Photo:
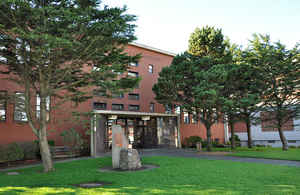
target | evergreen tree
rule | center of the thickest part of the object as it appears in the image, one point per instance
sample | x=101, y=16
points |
x=58, y=48
x=280, y=74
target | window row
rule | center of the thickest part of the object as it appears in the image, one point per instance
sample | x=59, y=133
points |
x=19, y=107
x=131, y=107
x=102, y=93
x=150, y=66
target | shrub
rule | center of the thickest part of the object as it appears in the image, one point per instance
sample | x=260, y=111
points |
x=192, y=140
x=73, y=139
x=11, y=152
x=30, y=150
x=292, y=147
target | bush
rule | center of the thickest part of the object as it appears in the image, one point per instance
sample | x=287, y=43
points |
x=73, y=139
x=30, y=150
x=11, y=152
x=237, y=140
x=292, y=147
x=192, y=141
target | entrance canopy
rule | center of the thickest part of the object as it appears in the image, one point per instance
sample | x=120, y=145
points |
x=144, y=129
x=133, y=114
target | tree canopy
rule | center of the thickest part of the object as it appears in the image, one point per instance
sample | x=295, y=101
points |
x=59, y=48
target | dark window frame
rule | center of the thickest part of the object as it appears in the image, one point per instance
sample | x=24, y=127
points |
x=4, y=105
x=133, y=74
x=99, y=94
x=135, y=95
x=15, y=109
x=100, y=108
x=152, y=107
x=121, y=105
x=134, y=64
x=151, y=68
x=133, y=106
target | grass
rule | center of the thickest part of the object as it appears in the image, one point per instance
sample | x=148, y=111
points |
x=264, y=152
x=174, y=176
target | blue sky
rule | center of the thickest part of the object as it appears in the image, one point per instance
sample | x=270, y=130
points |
x=167, y=24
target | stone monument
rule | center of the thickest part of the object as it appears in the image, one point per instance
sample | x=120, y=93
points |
x=123, y=157
x=130, y=159
x=119, y=141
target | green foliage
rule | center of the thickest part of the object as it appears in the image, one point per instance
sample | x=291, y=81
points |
x=279, y=72
x=72, y=138
x=192, y=141
x=11, y=152
x=190, y=80
x=62, y=46
x=30, y=149
x=208, y=41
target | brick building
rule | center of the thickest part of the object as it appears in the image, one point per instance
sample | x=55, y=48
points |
x=132, y=106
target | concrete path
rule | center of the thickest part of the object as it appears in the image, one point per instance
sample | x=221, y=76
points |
x=187, y=153
x=194, y=154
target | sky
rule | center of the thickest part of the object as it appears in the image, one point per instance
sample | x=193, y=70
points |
x=167, y=24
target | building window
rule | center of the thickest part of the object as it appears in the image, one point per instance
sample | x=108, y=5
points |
x=152, y=107
x=168, y=109
x=38, y=107
x=134, y=96
x=117, y=107
x=3, y=95
x=150, y=68
x=177, y=109
x=133, y=64
x=271, y=141
x=99, y=92
x=194, y=118
x=292, y=141
x=186, y=117
x=99, y=106
x=118, y=95
x=133, y=74
x=134, y=107
x=19, y=109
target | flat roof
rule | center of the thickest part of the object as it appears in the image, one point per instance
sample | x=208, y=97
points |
x=152, y=49
x=129, y=113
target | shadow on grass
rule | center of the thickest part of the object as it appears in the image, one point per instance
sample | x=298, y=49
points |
x=167, y=189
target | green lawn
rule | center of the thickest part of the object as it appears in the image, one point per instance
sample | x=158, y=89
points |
x=265, y=152
x=174, y=176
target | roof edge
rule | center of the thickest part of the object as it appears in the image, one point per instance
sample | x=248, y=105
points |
x=152, y=49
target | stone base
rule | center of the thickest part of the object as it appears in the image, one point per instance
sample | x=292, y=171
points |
x=130, y=159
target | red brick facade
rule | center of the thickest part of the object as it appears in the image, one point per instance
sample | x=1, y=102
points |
x=148, y=68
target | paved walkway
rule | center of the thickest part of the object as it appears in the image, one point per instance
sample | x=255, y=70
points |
x=184, y=153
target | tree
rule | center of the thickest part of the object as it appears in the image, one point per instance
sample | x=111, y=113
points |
x=187, y=81
x=240, y=94
x=279, y=67
x=58, y=49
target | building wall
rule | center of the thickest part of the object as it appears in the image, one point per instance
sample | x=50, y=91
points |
x=61, y=118
x=271, y=138
x=198, y=129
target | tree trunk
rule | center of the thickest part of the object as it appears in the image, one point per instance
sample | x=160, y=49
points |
x=45, y=151
x=208, y=135
x=44, y=147
x=283, y=139
x=232, y=139
x=249, y=132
